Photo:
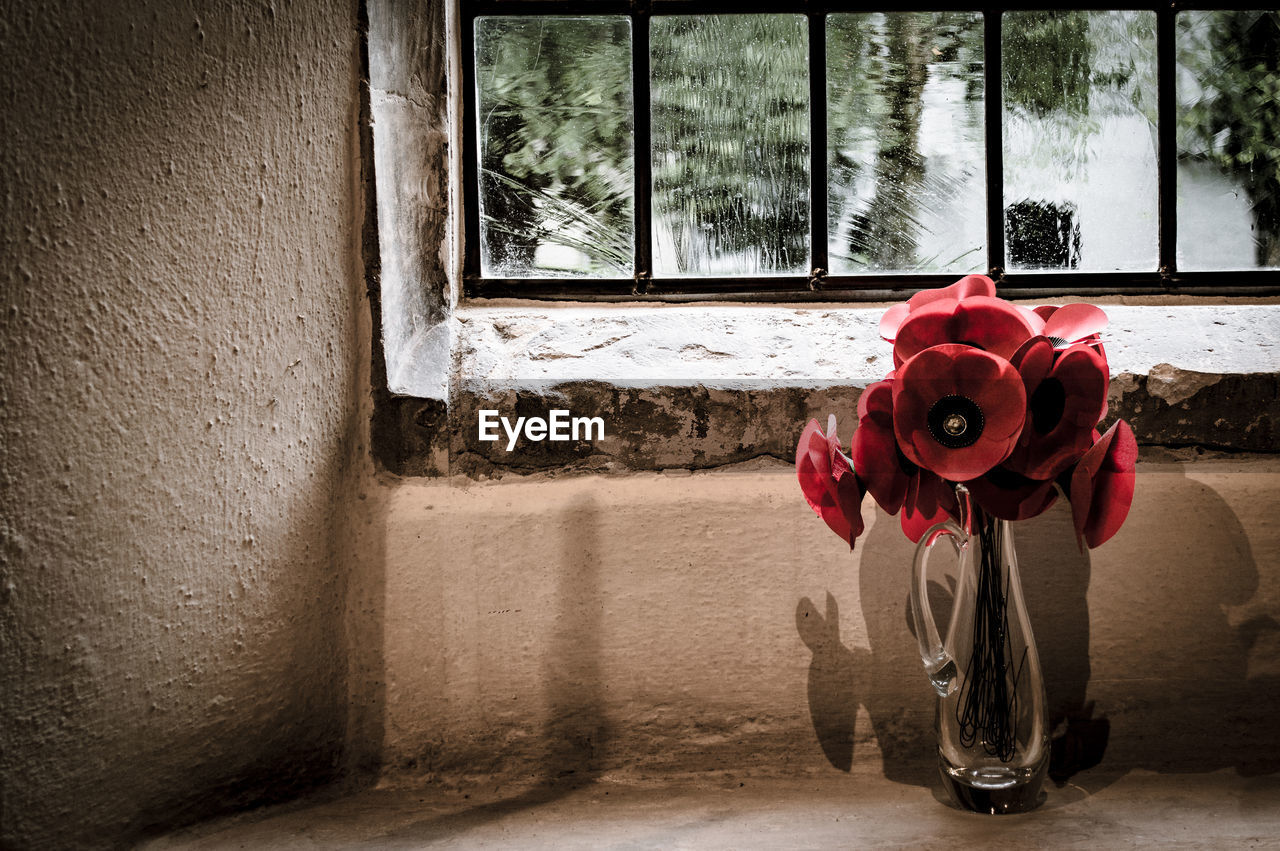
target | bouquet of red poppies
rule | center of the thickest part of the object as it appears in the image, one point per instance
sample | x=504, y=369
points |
x=1002, y=398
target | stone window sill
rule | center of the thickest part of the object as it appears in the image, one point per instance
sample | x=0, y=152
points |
x=530, y=346
x=706, y=385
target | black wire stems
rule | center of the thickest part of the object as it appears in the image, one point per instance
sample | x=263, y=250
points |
x=987, y=709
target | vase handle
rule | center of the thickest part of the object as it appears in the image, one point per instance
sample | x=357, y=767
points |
x=938, y=662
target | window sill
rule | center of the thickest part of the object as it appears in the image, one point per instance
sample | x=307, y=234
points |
x=532, y=346
x=702, y=386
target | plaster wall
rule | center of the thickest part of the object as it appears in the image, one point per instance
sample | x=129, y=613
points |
x=667, y=622
x=184, y=365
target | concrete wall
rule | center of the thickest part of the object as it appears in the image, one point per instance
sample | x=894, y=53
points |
x=184, y=359
x=650, y=623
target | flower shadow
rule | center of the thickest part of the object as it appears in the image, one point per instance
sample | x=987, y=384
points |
x=832, y=685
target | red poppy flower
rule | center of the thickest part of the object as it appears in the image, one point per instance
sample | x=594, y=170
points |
x=1072, y=323
x=982, y=322
x=1008, y=495
x=827, y=480
x=1066, y=397
x=957, y=410
x=966, y=287
x=1102, y=485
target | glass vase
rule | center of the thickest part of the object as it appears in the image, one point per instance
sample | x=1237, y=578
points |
x=993, y=743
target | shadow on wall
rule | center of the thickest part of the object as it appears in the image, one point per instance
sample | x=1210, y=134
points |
x=1181, y=652
x=362, y=553
x=1186, y=654
x=575, y=728
x=833, y=680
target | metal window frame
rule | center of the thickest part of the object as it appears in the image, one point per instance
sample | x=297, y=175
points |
x=818, y=285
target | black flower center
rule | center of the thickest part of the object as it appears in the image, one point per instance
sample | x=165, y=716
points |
x=1047, y=404
x=955, y=421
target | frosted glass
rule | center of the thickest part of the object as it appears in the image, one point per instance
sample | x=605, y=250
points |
x=905, y=143
x=1228, y=93
x=1080, y=140
x=730, y=144
x=554, y=108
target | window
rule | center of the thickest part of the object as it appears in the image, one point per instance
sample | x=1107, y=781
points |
x=679, y=150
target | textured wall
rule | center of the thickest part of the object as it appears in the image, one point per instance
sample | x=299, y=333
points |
x=182, y=364
x=652, y=623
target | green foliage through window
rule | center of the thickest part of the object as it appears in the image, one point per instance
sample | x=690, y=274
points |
x=730, y=154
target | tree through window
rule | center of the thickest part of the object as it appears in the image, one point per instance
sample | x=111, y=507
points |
x=670, y=150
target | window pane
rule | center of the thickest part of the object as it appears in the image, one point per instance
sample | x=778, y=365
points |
x=1228, y=140
x=555, y=124
x=905, y=135
x=730, y=131
x=1080, y=140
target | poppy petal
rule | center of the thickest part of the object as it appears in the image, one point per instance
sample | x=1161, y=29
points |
x=930, y=501
x=1073, y=322
x=982, y=322
x=828, y=481
x=1034, y=320
x=1007, y=495
x=1102, y=485
x=810, y=470
x=877, y=402
x=1033, y=360
x=967, y=287
x=893, y=317
x=875, y=451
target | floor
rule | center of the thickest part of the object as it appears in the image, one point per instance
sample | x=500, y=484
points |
x=722, y=811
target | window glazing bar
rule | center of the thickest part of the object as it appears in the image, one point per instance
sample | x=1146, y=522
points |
x=1166, y=141
x=993, y=133
x=818, y=148
x=642, y=178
